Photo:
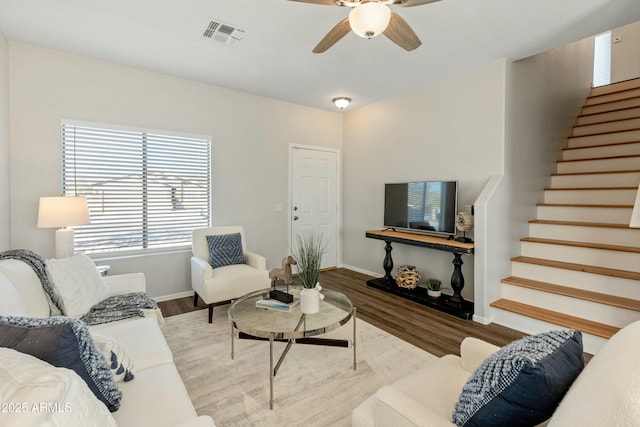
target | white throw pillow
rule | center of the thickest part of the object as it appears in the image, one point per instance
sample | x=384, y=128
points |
x=11, y=303
x=34, y=393
x=118, y=360
x=78, y=282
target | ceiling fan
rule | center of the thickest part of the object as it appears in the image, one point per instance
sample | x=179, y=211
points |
x=370, y=18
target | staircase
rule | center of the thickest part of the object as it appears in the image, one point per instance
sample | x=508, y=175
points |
x=580, y=266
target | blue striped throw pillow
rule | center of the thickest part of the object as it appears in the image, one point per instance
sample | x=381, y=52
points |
x=225, y=249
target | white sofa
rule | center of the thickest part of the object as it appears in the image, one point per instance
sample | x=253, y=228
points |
x=606, y=393
x=156, y=396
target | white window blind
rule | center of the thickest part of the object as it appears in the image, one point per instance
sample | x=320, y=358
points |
x=146, y=189
x=602, y=60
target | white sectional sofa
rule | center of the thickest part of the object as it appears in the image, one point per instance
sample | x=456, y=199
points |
x=605, y=393
x=156, y=396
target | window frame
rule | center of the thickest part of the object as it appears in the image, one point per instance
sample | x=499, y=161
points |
x=72, y=190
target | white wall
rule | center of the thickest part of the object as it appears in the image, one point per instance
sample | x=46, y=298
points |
x=452, y=130
x=625, y=53
x=5, y=188
x=251, y=136
x=545, y=94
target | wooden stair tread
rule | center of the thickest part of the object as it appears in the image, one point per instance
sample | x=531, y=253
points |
x=593, y=159
x=603, y=271
x=578, y=223
x=606, y=121
x=596, y=172
x=565, y=320
x=599, y=145
x=582, y=244
x=576, y=205
x=612, y=300
x=588, y=188
x=581, y=115
x=603, y=133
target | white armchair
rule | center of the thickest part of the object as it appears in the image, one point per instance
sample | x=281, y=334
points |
x=228, y=282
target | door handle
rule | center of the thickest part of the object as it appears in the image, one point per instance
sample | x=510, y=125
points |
x=295, y=218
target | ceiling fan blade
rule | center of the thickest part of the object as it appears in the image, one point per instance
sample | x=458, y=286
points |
x=333, y=36
x=409, y=3
x=324, y=2
x=401, y=33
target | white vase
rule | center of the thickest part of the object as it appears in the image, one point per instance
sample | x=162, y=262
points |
x=434, y=294
x=310, y=300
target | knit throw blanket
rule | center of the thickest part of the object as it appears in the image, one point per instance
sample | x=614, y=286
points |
x=119, y=307
x=114, y=308
x=37, y=263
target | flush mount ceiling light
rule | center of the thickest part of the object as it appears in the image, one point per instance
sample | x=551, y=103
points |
x=341, y=102
x=369, y=19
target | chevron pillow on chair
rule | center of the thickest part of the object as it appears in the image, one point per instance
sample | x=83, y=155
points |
x=225, y=249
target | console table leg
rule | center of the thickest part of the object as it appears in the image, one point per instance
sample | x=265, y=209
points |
x=387, y=264
x=457, y=279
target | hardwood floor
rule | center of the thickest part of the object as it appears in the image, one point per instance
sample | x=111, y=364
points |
x=426, y=328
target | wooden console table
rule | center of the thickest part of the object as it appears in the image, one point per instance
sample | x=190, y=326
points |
x=453, y=304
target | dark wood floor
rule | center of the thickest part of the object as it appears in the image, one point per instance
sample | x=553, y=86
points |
x=429, y=329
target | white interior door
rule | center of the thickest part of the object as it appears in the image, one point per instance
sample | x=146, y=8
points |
x=314, y=197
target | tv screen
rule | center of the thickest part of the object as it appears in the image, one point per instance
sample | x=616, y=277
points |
x=426, y=207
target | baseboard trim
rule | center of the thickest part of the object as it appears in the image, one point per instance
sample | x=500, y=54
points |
x=170, y=297
x=361, y=270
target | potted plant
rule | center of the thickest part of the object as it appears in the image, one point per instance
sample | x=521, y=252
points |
x=434, y=288
x=308, y=254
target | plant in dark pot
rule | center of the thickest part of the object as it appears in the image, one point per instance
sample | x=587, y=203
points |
x=310, y=247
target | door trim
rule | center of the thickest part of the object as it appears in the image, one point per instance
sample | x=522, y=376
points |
x=293, y=146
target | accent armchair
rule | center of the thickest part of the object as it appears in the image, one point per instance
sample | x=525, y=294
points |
x=229, y=281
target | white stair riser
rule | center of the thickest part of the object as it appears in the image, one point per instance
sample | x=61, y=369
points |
x=612, y=106
x=605, y=138
x=628, y=149
x=628, y=261
x=615, y=87
x=591, y=343
x=611, y=97
x=626, y=288
x=587, y=214
x=596, y=312
x=603, y=235
x=628, y=113
x=605, y=180
x=615, y=126
x=600, y=165
x=591, y=197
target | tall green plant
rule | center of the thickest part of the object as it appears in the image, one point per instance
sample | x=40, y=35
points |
x=308, y=254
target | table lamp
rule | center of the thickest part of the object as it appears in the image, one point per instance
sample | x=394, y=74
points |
x=63, y=211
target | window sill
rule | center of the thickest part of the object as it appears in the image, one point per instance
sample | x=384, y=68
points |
x=101, y=257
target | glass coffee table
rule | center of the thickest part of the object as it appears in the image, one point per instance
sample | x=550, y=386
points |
x=291, y=326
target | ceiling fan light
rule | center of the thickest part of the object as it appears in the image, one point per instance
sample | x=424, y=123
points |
x=341, y=102
x=369, y=19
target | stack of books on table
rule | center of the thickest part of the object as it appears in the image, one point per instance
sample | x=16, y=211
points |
x=274, y=304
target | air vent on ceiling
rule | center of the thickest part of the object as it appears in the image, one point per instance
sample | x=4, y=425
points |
x=223, y=33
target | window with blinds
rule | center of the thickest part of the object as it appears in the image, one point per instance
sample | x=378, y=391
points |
x=146, y=189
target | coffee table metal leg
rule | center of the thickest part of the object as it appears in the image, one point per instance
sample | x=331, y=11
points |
x=355, y=362
x=231, y=340
x=271, y=371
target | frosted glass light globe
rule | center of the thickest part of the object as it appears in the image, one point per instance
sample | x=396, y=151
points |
x=369, y=19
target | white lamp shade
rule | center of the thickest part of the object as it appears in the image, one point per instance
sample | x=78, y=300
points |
x=63, y=211
x=369, y=19
x=342, y=102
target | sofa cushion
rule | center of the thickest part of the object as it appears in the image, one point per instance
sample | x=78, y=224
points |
x=34, y=393
x=119, y=361
x=63, y=342
x=225, y=249
x=78, y=283
x=607, y=392
x=11, y=303
x=522, y=383
x=25, y=280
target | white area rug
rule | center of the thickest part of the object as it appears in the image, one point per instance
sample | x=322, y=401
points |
x=315, y=386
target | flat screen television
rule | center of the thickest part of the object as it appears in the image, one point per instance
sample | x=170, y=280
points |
x=428, y=207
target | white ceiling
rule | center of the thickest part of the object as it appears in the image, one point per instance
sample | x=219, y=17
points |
x=274, y=58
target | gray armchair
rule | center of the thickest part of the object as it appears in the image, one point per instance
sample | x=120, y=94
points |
x=230, y=281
